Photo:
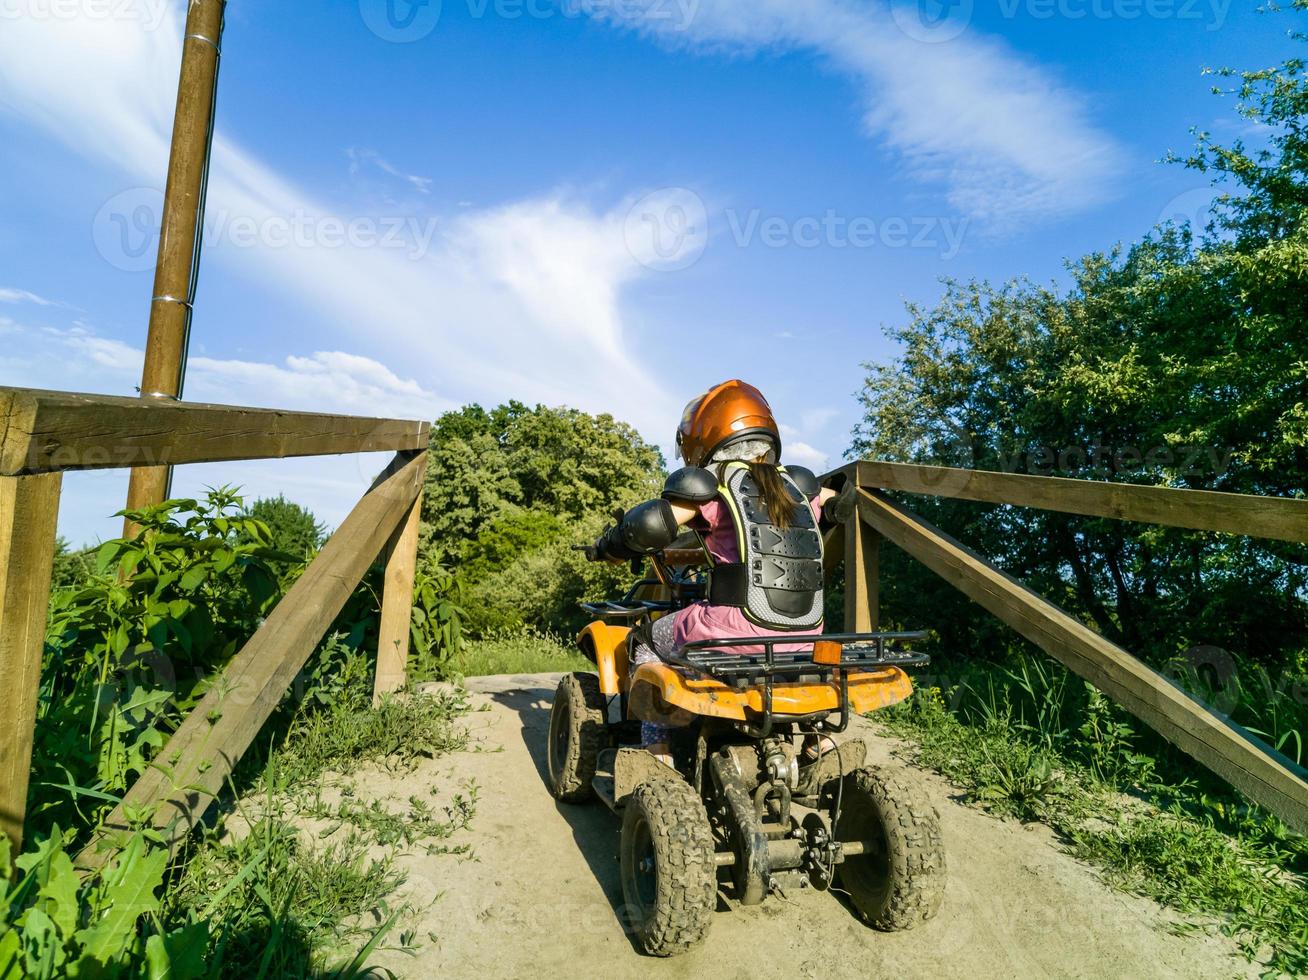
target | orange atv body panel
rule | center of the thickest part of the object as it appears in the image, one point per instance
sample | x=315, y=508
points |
x=659, y=693
x=607, y=646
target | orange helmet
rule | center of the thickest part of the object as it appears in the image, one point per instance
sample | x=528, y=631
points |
x=725, y=413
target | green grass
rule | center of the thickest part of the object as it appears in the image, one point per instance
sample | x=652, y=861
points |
x=1033, y=743
x=519, y=652
x=311, y=884
x=283, y=885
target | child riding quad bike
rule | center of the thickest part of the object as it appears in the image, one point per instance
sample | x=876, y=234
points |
x=706, y=724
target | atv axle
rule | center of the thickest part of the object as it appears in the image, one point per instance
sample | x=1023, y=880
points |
x=779, y=858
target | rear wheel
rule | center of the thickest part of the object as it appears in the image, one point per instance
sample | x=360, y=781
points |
x=899, y=880
x=576, y=737
x=669, y=877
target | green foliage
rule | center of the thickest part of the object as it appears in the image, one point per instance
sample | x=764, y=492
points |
x=134, y=639
x=518, y=651
x=436, y=634
x=1178, y=361
x=292, y=529
x=71, y=568
x=511, y=490
x=335, y=727
x=55, y=925
x=130, y=649
x=558, y=461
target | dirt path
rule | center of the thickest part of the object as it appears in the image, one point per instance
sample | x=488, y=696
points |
x=539, y=898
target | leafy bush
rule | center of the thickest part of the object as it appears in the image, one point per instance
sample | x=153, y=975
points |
x=291, y=528
x=133, y=642
x=130, y=650
x=54, y=925
x=510, y=491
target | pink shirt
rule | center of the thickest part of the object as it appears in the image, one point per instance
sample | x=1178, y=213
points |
x=703, y=621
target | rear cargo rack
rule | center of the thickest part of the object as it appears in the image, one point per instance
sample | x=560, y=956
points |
x=720, y=660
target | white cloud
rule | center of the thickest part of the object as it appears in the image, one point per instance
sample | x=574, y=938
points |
x=1004, y=136
x=795, y=450
x=23, y=296
x=325, y=381
x=359, y=157
x=517, y=301
x=815, y=419
x=805, y=455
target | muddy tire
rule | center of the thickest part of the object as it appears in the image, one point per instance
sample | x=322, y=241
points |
x=669, y=878
x=899, y=881
x=578, y=732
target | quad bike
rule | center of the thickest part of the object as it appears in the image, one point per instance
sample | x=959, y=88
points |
x=759, y=792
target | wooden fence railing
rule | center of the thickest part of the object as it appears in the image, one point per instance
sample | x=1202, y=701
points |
x=1243, y=760
x=43, y=434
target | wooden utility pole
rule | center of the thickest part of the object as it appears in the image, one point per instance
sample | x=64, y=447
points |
x=182, y=230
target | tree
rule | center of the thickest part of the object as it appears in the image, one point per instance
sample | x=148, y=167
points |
x=292, y=528
x=1178, y=361
x=510, y=490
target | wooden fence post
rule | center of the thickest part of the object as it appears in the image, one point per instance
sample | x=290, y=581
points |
x=862, y=577
x=29, y=511
x=397, y=605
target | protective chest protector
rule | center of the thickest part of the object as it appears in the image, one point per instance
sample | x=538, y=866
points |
x=778, y=582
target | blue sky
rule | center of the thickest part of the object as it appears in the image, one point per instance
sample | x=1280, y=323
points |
x=605, y=203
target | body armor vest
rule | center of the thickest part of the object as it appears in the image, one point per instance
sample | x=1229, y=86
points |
x=778, y=581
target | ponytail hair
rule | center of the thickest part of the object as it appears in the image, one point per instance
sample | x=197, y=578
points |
x=776, y=499
x=763, y=468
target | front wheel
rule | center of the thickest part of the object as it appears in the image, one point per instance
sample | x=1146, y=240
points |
x=899, y=879
x=576, y=737
x=669, y=877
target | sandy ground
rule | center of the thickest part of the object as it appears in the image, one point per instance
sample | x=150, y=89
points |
x=540, y=896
